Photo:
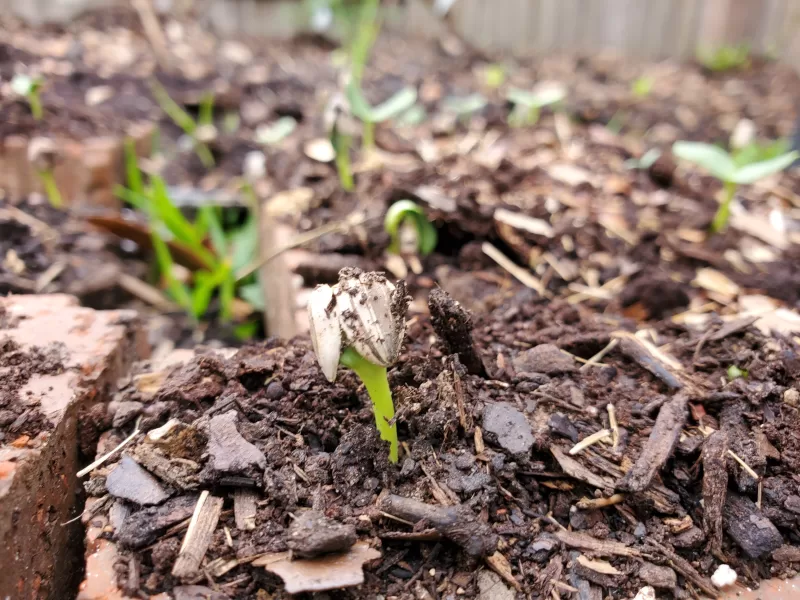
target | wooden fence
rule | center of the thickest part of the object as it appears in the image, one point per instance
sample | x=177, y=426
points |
x=644, y=28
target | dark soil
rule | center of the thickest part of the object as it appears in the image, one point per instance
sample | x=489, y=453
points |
x=315, y=446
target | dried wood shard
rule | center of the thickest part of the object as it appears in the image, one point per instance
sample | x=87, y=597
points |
x=198, y=536
x=581, y=541
x=244, y=508
x=715, y=486
x=573, y=468
x=641, y=356
x=659, y=446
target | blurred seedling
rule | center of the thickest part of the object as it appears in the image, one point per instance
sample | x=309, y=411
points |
x=642, y=87
x=221, y=251
x=463, y=107
x=410, y=231
x=735, y=372
x=273, y=133
x=724, y=58
x=724, y=167
x=494, y=76
x=370, y=115
x=201, y=132
x=29, y=88
x=43, y=156
x=645, y=161
x=528, y=105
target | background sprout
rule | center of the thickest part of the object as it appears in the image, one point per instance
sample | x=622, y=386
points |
x=494, y=76
x=642, y=86
x=201, y=132
x=724, y=58
x=464, y=106
x=273, y=133
x=360, y=322
x=409, y=229
x=645, y=161
x=29, y=87
x=43, y=156
x=723, y=166
x=369, y=115
x=528, y=105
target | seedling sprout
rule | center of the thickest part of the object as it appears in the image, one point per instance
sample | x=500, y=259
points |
x=464, y=106
x=30, y=88
x=724, y=167
x=201, y=132
x=43, y=156
x=409, y=229
x=528, y=105
x=360, y=323
x=370, y=115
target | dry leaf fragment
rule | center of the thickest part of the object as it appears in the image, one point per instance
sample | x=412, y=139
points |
x=330, y=572
x=524, y=222
x=599, y=566
x=716, y=282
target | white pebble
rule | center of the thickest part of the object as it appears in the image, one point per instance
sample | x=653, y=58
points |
x=646, y=593
x=723, y=577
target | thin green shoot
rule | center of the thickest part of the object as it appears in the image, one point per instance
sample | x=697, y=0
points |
x=494, y=76
x=528, y=105
x=364, y=38
x=722, y=165
x=30, y=88
x=377, y=384
x=409, y=229
x=341, y=144
x=734, y=372
x=51, y=189
x=185, y=121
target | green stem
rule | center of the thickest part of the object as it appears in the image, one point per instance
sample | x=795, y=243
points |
x=51, y=189
x=343, y=163
x=368, y=136
x=205, y=155
x=36, y=105
x=533, y=115
x=720, y=221
x=377, y=384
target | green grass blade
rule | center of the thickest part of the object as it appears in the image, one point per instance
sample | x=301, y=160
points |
x=173, y=110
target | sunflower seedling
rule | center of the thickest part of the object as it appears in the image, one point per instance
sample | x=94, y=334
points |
x=29, y=88
x=409, y=229
x=200, y=132
x=43, y=156
x=724, y=167
x=360, y=322
x=370, y=115
x=528, y=105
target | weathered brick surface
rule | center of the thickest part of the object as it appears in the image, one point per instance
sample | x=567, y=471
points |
x=86, y=171
x=38, y=483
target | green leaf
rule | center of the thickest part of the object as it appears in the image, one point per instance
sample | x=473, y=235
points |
x=358, y=103
x=642, y=86
x=170, y=215
x=253, y=295
x=205, y=284
x=244, y=244
x=274, y=132
x=209, y=218
x=755, y=171
x=464, y=105
x=402, y=100
x=538, y=98
x=181, y=118
x=138, y=201
x=645, y=161
x=735, y=372
x=132, y=172
x=401, y=210
x=494, y=76
x=712, y=158
x=178, y=291
x=413, y=116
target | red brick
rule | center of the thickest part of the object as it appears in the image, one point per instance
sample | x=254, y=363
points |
x=38, y=482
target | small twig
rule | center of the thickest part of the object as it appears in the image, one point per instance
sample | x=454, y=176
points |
x=145, y=292
x=108, y=455
x=523, y=275
x=612, y=421
x=590, y=440
x=744, y=465
x=49, y=275
x=393, y=518
x=153, y=32
x=595, y=360
x=592, y=503
x=758, y=499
